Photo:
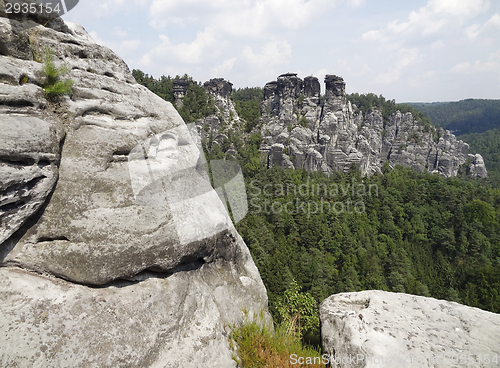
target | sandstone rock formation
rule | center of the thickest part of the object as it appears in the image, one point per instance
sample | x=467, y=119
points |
x=299, y=131
x=383, y=329
x=180, y=89
x=216, y=127
x=93, y=272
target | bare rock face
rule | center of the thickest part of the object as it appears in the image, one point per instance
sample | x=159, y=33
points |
x=381, y=329
x=180, y=89
x=29, y=160
x=330, y=136
x=219, y=87
x=114, y=249
x=215, y=128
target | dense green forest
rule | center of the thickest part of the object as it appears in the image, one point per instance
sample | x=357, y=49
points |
x=412, y=232
x=248, y=105
x=476, y=122
x=463, y=117
x=488, y=145
x=397, y=230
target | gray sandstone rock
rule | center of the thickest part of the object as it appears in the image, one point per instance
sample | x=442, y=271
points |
x=216, y=128
x=94, y=271
x=383, y=329
x=180, y=89
x=332, y=137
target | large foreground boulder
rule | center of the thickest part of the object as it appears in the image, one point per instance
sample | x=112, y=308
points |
x=383, y=329
x=114, y=249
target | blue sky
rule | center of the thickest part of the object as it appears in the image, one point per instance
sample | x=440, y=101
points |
x=410, y=51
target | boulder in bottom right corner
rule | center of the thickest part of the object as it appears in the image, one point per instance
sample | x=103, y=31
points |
x=374, y=328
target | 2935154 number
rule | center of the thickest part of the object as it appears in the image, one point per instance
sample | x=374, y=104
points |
x=27, y=8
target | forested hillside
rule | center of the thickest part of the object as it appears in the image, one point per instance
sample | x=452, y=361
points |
x=488, y=145
x=397, y=230
x=477, y=122
x=463, y=117
x=420, y=234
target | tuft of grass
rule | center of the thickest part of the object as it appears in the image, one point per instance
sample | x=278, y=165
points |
x=256, y=345
x=53, y=85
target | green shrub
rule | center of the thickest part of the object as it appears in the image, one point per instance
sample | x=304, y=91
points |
x=53, y=85
x=256, y=345
x=303, y=121
x=299, y=313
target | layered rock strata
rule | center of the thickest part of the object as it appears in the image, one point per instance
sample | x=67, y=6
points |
x=108, y=258
x=215, y=128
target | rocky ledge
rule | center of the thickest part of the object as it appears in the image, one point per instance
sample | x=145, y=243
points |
x=374, y=328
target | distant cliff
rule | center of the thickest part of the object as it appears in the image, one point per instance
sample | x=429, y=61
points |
x=301, y=131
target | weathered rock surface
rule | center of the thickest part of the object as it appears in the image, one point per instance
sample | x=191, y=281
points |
x=383, y=329
x=180, y=89
x=79, y=215
x=215, y=128
x=300, y=132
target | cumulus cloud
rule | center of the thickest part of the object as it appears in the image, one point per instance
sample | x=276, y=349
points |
x=250, y=42
x=271, y=54
x=222, y=69
x=243, y=17
x=459, y=8
x=491, y=66
x=354, y=66
x=97, y=39
x=492, y=25
x=405, y=58
x=432, y=41
x=428, y=20
x=243, y=32
x=423, y=79
x=188, y=53
x=118, y=31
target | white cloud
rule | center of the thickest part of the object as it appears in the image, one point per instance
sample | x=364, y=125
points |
x=424, y=79
x=243, y=17
x=223, y=69
x=189, y=53
x=405, y=58
x=491, y=26
x=459, y=8
x=131, y=44
x=491, y=65
x=461, y=67
x=436, y=16
x=438, y=45
x=118, y=31
x=120, y=47
x=356, y=3
x=373, y=35
x=414, y=56
x=272, y=54
x=354, y=66
x=238, y=36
